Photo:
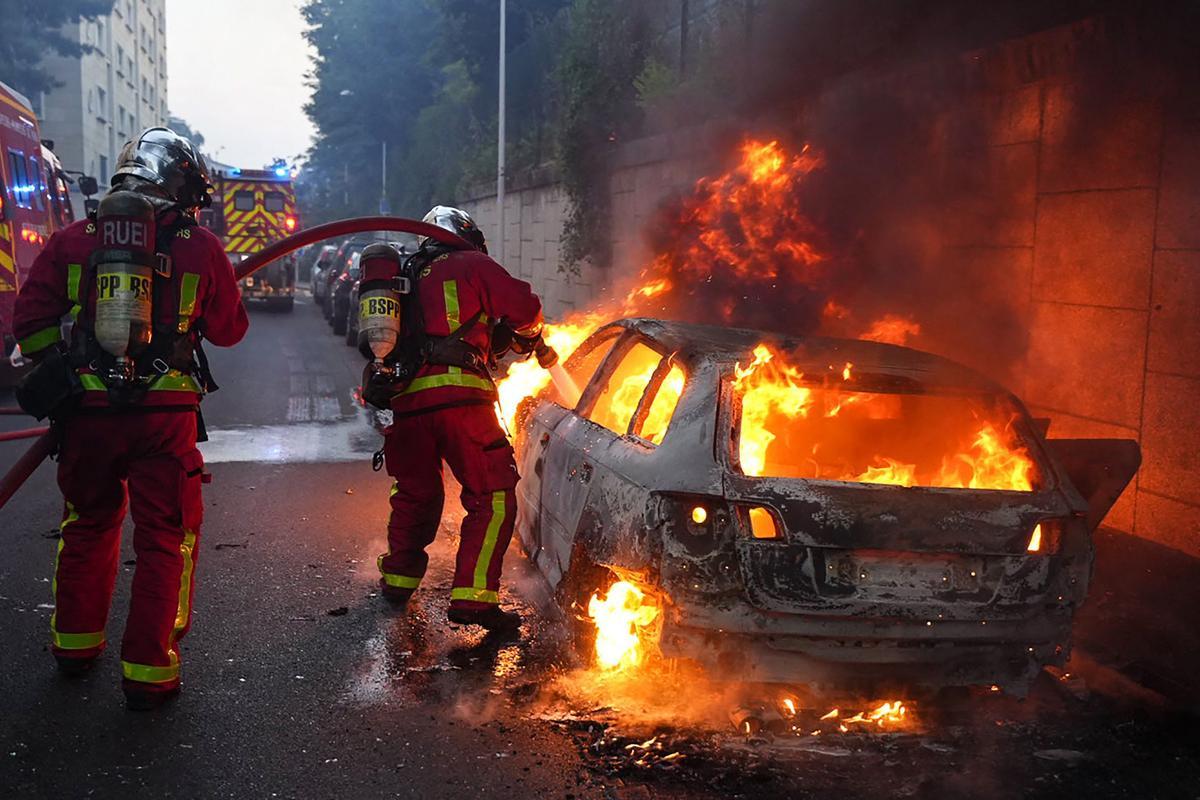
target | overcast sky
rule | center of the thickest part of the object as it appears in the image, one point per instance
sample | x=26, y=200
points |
x=235, y=71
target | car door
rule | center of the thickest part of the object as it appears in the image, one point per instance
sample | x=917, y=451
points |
x=587, y=448
x=545, y=456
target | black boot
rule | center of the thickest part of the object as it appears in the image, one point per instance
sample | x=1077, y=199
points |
x=493, y=618
x=140, y=697
x=74, y=667
x=396, y=595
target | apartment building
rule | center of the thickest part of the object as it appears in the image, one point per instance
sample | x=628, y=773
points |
x=111, y=92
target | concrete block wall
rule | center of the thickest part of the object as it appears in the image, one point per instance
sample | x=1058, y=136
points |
x=534, y=215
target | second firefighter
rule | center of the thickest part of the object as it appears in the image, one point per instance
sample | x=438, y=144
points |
x=442, y=400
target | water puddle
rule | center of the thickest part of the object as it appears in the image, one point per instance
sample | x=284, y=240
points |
x=312, y=442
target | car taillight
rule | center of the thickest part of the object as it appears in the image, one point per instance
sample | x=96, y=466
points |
x=705, y=517
x=760, y=522
x=763, y=524
x=290, y=222
x=1046, y=537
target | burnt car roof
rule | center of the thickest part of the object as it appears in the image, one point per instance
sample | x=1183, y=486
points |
x=728, y=346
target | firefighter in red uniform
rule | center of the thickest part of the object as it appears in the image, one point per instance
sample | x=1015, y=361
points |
x=446, y=413
x=132, y=417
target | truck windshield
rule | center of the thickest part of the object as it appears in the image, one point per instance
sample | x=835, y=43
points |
x=843, y=426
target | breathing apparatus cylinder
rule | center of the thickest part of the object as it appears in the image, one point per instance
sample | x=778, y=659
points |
x=379, y=301
x=124, y=269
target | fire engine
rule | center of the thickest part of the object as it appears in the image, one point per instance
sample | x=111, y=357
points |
x=251, y=209
x=34, y=203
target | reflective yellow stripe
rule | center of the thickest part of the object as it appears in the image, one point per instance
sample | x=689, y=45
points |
x=187, y=299
x=173, y=381
x=400, y=581
x=71, y=516
x=148, y=673
x=449, y=379
x=450, y=292
x=478, y=595
x=74, y=273
x=36, y=342
x=489, y=540
x=77, y=641
x=183, y=611
x=395, y=489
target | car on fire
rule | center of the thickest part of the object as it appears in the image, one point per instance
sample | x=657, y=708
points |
x=813, y=510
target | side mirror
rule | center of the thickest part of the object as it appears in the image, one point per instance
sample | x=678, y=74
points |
x=88, y=185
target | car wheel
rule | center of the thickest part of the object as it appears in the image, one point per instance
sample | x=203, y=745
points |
x=584, y=578
x=339, y=324
x=351, y=334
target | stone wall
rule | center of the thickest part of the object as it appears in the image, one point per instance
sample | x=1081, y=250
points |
x=1093, y=236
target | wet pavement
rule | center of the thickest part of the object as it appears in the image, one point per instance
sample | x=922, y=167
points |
x=300, y=681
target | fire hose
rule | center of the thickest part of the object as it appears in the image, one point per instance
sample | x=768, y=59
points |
x=45, y=444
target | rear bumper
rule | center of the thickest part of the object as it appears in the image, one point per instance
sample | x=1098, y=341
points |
x=739, y=641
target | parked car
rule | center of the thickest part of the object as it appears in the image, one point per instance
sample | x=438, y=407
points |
x=316, y=281
x=405, y=247
x=339, y=294
x=789, y=557
x=342, y=261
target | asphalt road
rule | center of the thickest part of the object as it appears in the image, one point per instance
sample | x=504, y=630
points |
x=301, y=682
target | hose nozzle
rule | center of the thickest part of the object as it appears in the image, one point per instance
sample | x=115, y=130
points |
x=547, y=357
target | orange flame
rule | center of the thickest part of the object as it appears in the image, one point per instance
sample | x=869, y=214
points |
x=775, y=396
x=622, y=618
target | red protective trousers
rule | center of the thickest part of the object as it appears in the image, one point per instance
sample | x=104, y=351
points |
x=470, y=440
x=154, y=453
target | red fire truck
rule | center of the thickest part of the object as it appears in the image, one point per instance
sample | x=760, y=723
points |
x=33, y=204
x=251, y=209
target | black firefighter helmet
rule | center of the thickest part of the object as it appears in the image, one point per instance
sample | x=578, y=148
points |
x=170, y=162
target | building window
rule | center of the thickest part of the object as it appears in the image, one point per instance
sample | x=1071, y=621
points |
x=103, y=171
x=102, y=38
x=102, y=103
x=120, y=61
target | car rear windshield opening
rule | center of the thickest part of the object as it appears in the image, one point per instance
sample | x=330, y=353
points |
x=833, y=429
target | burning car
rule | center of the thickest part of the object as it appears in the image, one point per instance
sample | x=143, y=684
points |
x=817, y=510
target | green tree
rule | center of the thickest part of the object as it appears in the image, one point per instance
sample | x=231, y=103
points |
x=32, y=29
x=430, y=93
x=603, y=56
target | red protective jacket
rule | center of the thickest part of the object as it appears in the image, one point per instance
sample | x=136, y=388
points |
x=204, y=297
x=455, y=287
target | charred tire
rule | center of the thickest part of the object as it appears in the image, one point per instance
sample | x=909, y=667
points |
x=583, y=579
